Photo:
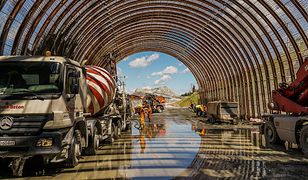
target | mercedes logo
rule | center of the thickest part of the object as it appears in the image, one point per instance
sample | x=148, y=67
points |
x=6, y=123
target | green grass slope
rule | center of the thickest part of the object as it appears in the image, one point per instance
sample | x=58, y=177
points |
x=185, y=101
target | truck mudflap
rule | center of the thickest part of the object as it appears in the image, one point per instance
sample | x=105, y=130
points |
x=26, y=146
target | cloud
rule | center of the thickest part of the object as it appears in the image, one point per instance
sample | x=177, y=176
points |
x=147, y=87
x=148, y=77
x=143, y=61
x=185, y=71
x=125, y=59
x=167, y=70
x=153, y=57
x=180, y=64
x=162, y=80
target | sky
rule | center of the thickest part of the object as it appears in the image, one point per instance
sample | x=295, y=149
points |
x=155, y=69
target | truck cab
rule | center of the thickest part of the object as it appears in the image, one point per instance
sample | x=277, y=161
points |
x=41, y=108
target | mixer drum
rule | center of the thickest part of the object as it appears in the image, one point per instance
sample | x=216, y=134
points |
x=101, y=89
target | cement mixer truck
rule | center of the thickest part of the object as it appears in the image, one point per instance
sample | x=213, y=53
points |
x=54, y=108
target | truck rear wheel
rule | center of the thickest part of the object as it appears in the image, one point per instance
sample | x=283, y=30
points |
x=128, y=126
x=270, y=133
x=74, y=152
x=117, y=132
x=110, y=139
x=94, y=142
x=303, y=140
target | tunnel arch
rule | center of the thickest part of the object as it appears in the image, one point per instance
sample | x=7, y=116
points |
x=236, y=50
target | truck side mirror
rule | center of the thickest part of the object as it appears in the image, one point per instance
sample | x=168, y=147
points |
x=73, y=82
x=74, y=85
x=75, y=74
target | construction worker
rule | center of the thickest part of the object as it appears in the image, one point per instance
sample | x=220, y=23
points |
x=198, y=110
x=150, y=113
x=148, y=109
x=203, y=110
x=142, y=117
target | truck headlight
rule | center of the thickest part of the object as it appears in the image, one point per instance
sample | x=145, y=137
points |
x=44, y=142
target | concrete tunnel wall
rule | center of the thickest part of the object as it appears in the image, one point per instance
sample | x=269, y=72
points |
x=238, y=50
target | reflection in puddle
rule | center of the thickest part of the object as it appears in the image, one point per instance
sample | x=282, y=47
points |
x=163, y=149
x=147, y=133
x=243, y=153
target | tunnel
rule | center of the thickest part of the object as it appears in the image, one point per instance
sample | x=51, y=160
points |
x=238, y=50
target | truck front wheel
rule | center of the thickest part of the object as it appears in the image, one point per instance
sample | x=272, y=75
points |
x=270, y=133
x=74, y=152
x=303, y=140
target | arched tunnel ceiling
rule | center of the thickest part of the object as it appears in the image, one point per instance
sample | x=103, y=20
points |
x=238, y=50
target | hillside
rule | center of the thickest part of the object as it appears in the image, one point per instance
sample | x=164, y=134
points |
x=161, y=91
x=185, y=101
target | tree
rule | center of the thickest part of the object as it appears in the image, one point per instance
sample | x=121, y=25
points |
x=193, y=88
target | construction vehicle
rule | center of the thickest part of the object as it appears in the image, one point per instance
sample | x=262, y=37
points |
x=55, y=108
x=223, y=111
x=156, y=102
x=292, y=100
x=161, y=99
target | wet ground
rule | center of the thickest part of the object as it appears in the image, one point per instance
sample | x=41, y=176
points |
x=177, y=145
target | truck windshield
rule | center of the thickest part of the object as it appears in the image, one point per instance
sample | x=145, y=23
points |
x=29, y=78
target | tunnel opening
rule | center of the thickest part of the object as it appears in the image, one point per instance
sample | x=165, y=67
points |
x=148, y=69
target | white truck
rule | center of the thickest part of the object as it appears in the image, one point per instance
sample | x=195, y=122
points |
x=55, y=108
x=292, y=124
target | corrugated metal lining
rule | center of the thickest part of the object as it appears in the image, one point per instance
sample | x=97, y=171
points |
x=237, y=50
